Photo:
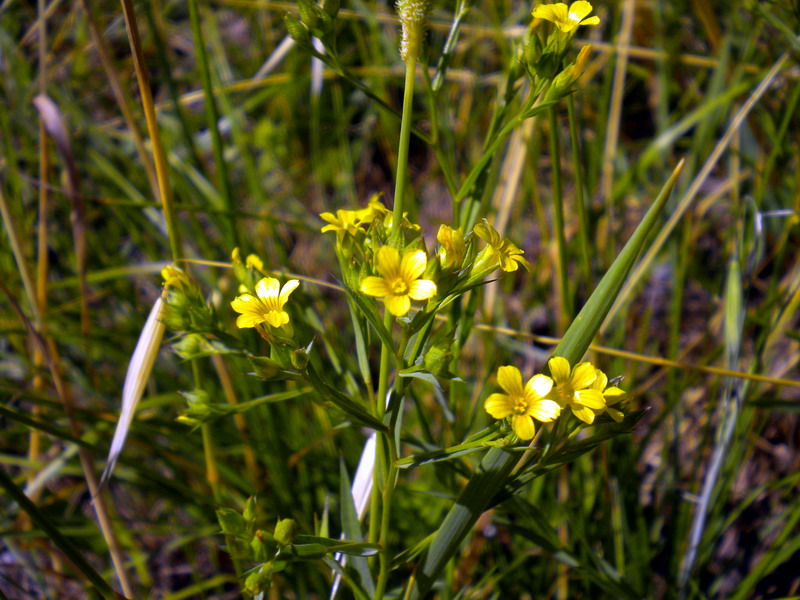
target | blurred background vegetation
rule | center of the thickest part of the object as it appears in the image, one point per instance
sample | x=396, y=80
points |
x=665, y=81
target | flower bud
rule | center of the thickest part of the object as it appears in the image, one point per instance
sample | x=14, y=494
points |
x=297, y=31
x=285, y=531
x=413, y=17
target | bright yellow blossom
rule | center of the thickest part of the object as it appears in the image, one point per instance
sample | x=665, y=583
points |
x=573, y=388
x=612, y=395
x=522, y=404
x=400, y=279
x=451, y=249
x=344, y=221
x=267, y=305
x=508, y=256
x=566, y=19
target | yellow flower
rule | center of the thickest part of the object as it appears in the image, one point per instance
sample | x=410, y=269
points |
x=451, y=250
x=400, y=279
x=344, y=221
x=612, y=395
x=522, y=404
x=566, y=19
x=267, y=305
x=374, y=210
x=573, y=388
x=507, y=254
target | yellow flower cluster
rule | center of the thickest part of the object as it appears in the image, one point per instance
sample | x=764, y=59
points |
x=351, y=222
x=583, y=388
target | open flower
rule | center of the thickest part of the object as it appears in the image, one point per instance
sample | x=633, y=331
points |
x=612, y=395
x=566, y=19
x=266, y=306
x=522, y=404
x=344, y=221
x=508, y=256
x=400, y=281
x=573, y=388
x=451, y=249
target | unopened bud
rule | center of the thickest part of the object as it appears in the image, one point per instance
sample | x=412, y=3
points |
x=413, y=17
x=285, y=531
x=297, y=31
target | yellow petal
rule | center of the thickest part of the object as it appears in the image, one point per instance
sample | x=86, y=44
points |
x=591, y=398
x=329, y=217
x=277, y=318
x=287, y=289
x=508, y=264
x=413, y=265
x=245, y=303
x=583, y=413
x=559, y=369
x=510, y=379
x=583, y=375
x=249, y=319
x=591, y=21
x=268, y=287
x=539, y=386
x=422, y=289
x=375, y=286
x=601, y=382
x=499, y=406
x=545, y=411
x=524, y=263
x=613, y=395
x=397, y=305
x=387, y=262
x=523, y=426
x=551, y=12
x=578, y=10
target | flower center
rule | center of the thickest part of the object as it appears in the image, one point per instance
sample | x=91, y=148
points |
x=399, y=287
x=520, y=405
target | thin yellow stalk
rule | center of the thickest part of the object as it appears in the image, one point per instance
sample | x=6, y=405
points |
x=123, y=100
x=162, y=174
x=241, y=424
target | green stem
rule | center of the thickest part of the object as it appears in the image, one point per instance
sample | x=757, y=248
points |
x=212, y=121
x=558, y=219
x=402, y=152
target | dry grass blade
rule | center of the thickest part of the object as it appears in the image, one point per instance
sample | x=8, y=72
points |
x=144, y=355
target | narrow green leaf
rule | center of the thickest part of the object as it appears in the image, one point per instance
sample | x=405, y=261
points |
x=352, y=528
x=372, y=317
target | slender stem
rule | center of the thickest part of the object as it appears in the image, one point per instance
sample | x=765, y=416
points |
x=385, y=446
x=402, y=152
x=212, y=121
x=565, y=302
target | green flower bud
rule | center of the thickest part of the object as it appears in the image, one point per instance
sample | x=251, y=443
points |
x=308, y=13
x=230, y=521
x=285, y=531
x=297, y=31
